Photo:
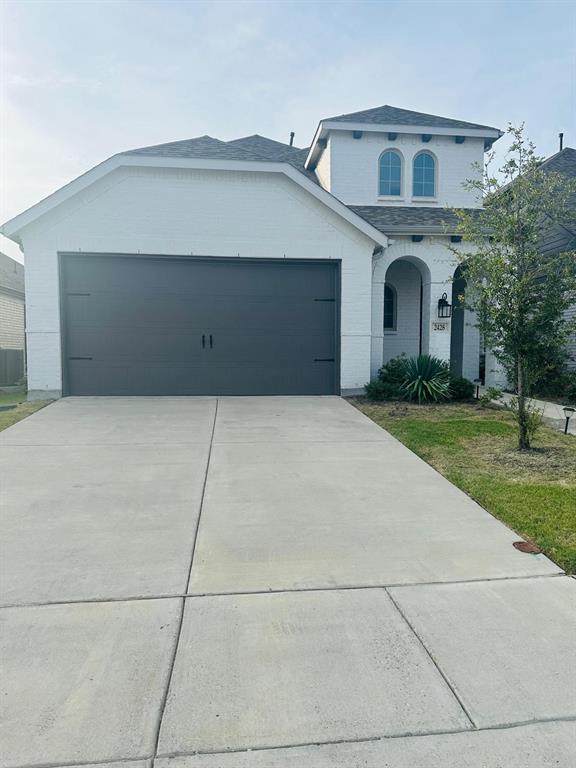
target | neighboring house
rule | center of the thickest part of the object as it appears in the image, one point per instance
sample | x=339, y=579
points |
x=251, y=266
x=558, y=237
x=12, y=342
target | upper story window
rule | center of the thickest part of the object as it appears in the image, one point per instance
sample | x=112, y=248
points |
x=390, y=173
x=424, y=176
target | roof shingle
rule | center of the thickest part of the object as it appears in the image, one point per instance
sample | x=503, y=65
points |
x=417, y=219
x=387, y=115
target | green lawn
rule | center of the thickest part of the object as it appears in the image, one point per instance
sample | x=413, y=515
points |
x=532, y=492
x=23, y=408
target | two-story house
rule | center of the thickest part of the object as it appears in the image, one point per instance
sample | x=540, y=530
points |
x=252, y=266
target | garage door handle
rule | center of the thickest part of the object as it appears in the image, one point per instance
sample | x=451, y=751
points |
x=211, y=343
x=203, y=341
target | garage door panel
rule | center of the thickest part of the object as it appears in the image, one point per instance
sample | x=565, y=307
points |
x=135, y=326
x=174, y=312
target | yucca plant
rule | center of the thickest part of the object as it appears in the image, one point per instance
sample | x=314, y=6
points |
x=426, y=379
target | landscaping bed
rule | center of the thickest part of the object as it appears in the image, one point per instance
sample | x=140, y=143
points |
x=14, y=407
x=533, y=492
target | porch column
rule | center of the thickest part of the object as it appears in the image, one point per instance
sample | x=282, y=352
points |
x=377, y=327
x=438, y=328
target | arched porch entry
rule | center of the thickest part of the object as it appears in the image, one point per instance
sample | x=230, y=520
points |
x=464, y=334
x=406, y=317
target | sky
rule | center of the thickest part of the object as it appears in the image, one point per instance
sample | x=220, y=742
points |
x=83, y=80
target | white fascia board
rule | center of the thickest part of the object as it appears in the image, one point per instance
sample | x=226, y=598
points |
x=13, y=227
x=334, y=125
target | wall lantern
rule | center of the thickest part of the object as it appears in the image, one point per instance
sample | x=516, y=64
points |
x=568, y=413
x=357, y=134
x=444, y=306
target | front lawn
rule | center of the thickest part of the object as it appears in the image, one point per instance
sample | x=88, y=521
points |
x=532, y=492
x=22, y=409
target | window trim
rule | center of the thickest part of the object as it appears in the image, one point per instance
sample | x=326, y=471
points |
x=382, y=195
x=435, y=159
x=394, y=327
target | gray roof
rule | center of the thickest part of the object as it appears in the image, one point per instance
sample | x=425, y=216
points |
x=411, y=219
x=247, y=148
x=275, y=151
x=562, y=162
x=200, y=147
x=11, y=274
x=387, y=115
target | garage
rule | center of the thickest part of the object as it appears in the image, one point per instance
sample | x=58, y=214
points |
x=165, y=325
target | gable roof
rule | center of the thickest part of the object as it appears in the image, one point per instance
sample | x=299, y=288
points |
x=201, y=146
x=417, y=220
x=251, y=153
x=276, y=151
x=564, y=163
x=388, y=115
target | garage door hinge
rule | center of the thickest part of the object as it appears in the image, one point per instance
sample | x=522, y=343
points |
x=79, y=358
x=324, y=360
x=332, y=300
x=79, y=294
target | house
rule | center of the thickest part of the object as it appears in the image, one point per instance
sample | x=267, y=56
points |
x=11, y=321
x=558, y=237
x=251, y=266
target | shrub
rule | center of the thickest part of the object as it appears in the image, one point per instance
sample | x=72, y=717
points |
x=490, y=394
x=383, y=390
x=426, y=379
x=461, y=388
x=394, y=371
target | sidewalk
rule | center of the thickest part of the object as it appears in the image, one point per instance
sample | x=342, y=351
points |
x=552, y=413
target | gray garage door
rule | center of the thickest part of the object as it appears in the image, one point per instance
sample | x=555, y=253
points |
x=178, y=326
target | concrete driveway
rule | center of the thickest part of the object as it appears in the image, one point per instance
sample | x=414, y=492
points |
x=266, y=583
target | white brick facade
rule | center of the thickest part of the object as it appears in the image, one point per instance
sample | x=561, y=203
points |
x=219, y=200
x=210, y=213
x=350, y=170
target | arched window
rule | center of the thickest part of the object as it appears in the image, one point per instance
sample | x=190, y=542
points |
x=424, y=177
x=389, y=308
x=390, y=173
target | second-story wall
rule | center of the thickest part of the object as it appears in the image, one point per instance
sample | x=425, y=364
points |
x=352, y=175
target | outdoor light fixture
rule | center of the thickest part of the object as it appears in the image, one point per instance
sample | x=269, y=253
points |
x=568, y=413
x=444, y=306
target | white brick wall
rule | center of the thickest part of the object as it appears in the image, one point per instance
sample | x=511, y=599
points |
x=212, y=213
x=436, y=265
x=11, y=322
x=350, y=168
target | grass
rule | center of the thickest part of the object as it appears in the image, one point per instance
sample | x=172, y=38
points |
x=23, y=408
x=533, y=492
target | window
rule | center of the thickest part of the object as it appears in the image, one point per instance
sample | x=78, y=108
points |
x=390, y=173
x=389, y=308
x=424, y=181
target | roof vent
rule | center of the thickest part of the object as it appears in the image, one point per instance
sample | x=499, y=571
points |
x=291, y=138
x=561, y=137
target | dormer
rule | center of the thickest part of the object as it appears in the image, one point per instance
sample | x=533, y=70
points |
x=391, y=156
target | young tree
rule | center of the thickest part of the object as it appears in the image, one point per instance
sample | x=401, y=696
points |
x=519, y=296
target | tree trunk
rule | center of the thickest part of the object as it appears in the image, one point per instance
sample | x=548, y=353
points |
x=523, y=434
